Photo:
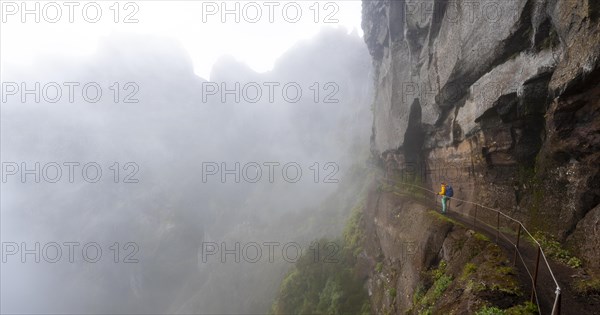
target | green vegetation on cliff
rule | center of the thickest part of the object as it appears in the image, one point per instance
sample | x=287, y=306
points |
x=526, y=308
x=554, y=250
x=474, y=274
x=423, y=301
x=326, y=281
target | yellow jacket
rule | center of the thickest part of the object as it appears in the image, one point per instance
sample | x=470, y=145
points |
x=443, y=190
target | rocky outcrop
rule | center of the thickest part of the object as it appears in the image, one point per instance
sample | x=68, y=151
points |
x=418, y=261
x=498, y=95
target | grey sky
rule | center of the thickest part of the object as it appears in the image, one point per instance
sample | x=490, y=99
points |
x=262, y=32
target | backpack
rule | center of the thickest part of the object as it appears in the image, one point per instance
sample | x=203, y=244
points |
x=449, y=191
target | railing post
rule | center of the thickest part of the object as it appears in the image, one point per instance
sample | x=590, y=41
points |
x=517, y=246
x=557, y=302
x=535, y=274
x=498, y=227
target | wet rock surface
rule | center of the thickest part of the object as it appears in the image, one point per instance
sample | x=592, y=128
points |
x=500, y=98
x=416, y=260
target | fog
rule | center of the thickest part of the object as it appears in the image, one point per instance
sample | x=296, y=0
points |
x=167, y=142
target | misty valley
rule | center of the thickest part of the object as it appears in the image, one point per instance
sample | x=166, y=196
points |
x=300, y=157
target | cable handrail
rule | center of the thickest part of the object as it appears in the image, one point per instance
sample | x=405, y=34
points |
x=557, y=303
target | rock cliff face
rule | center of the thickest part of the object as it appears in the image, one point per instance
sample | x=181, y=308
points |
x=500, y=98
x=420, y=262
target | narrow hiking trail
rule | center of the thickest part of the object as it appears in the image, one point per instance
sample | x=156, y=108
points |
x=526, y=258
x=545, y=288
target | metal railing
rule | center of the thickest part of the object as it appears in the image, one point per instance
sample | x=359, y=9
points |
x=521, y=230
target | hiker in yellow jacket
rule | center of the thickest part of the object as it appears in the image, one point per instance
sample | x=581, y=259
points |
x=444, y=197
